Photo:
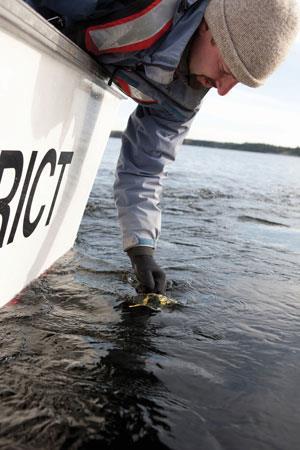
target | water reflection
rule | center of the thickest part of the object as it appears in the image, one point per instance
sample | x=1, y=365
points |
x=73, y=371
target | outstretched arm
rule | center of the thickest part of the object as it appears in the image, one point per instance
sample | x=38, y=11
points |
x=150, y=141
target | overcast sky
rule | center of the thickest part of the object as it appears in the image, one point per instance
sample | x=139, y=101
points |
x=269, y=114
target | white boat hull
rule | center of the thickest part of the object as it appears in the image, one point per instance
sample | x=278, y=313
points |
x=55, y=118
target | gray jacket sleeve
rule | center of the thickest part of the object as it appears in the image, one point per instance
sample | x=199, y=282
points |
x=150, y=141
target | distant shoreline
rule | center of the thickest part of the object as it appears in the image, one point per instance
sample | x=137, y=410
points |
x=247, y=146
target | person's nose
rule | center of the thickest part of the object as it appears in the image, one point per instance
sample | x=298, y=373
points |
x=225, y=84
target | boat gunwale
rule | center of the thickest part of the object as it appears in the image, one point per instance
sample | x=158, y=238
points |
x=19, y=19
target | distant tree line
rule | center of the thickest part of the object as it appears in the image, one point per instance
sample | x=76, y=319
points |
x=247, y=146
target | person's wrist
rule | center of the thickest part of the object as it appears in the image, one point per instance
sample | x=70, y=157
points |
x=140, y=251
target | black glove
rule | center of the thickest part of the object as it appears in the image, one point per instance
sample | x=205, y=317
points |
x=149, y=274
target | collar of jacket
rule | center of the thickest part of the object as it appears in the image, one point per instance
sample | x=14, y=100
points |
x=161, y=63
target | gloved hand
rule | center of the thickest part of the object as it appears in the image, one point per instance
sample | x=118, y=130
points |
x=148, y=272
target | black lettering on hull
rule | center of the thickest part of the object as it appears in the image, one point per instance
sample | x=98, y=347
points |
x=9, y=160
x=15, y=160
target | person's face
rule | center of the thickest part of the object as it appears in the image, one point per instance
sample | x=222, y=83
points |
x=206, y=65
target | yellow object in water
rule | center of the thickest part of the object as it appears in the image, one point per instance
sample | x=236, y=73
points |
x=152, y=301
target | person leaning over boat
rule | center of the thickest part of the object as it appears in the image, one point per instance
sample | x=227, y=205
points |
x=166, y=55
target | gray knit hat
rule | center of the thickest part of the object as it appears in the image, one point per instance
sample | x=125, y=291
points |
x=253, y=36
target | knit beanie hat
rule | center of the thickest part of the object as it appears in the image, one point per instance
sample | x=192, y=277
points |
x=253, y=36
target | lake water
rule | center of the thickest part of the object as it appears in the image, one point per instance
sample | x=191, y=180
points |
x=78, y=370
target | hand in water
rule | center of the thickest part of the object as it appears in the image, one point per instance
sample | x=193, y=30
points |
x=151, y=277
